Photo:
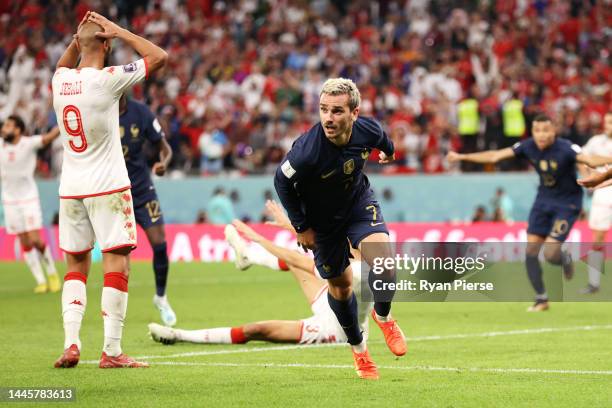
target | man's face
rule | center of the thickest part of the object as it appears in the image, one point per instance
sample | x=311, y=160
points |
x=9, y=130
x=608, y=124
x=543, y=134
x=336, y=116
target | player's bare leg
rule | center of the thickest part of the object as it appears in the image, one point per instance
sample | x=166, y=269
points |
x=534, y=272
x=114, y=308
x=343, y=303
x=44, y=254
x=74, y=302
x=274, y=331
x=32, y=259
x=595, y=261
x=157, y=239
x=374, y=246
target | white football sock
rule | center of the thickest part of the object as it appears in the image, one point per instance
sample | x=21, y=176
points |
x=595, y=260
x=114, y=308
x=219, y=335
x=74, y=301
x=33, y=261
x=259, y=256
x=47, y=260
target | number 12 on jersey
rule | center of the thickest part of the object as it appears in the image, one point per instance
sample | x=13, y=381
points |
x=76, y=130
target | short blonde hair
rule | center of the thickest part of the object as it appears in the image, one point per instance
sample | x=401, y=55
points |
x=342, y=86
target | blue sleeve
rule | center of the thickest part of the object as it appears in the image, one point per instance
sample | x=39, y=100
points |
x=381, y=140
x=153, y=131
x=291, y=170
x=385, y=144
x=573, y=150
x=520, y=148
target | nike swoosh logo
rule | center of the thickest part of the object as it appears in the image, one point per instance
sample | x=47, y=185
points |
x=373, y=224
x=324, y=176
x=365, y=155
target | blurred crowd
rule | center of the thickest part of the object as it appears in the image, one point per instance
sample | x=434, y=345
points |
x=244, y=76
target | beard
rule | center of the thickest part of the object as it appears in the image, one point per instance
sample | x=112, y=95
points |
x=8, y=137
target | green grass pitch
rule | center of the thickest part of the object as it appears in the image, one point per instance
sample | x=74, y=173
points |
x=561, y=358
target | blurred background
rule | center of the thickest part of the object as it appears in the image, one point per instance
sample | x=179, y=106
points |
x=243, y=83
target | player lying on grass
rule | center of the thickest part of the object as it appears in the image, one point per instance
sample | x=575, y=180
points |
x=559, y=199
x=321, y=327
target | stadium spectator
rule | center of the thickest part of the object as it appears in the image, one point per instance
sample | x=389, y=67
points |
x=253, y=70
x=220, y=209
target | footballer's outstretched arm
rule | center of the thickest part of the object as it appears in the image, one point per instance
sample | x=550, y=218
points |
x=593, y=160
x=155, y=57
x=488, y=156
x=50, y=136
x=596, y=179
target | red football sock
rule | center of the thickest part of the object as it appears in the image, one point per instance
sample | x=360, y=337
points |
x=237, y=334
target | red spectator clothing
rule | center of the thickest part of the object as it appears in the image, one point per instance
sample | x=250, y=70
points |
x=203, y=6
x=570, y=30
x=503, y=47
x=193, y=134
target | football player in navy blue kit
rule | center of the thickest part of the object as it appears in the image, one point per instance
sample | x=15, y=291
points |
x=330, y=204
x=558, y=202
x=137, y=124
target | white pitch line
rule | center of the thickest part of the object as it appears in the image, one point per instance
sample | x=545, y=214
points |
x=408, y=339
x=406, y=368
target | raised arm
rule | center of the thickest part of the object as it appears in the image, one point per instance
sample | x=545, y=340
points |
x=50, y=136
x=279, y=218
x=154, y=57
x=70, y=57
x=488, y=156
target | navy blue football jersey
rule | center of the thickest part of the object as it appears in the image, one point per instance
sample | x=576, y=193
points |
x=318, y=182
x=137, y=125
x=556, y=166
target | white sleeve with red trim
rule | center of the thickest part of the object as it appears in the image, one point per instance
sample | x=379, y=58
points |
x=119, y=78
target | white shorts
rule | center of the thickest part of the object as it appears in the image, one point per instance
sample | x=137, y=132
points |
x=600, y=217
x=24, y=217
x=323, y=326
x=109, y=219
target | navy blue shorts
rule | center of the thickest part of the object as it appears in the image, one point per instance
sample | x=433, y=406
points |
x=550, y=220
x=332, y=249
x=147, y=210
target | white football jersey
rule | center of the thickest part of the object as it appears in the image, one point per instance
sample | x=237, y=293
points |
x=17, y=165
x=600, y=145
x=86, y=102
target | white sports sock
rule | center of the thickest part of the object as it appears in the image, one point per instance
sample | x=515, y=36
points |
x=360, y=348
x=595, y=260
x=259, y=256
x=219, y=335
x=114, y=308
x=74, y=301
x=47, y=260
x=33, y=261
